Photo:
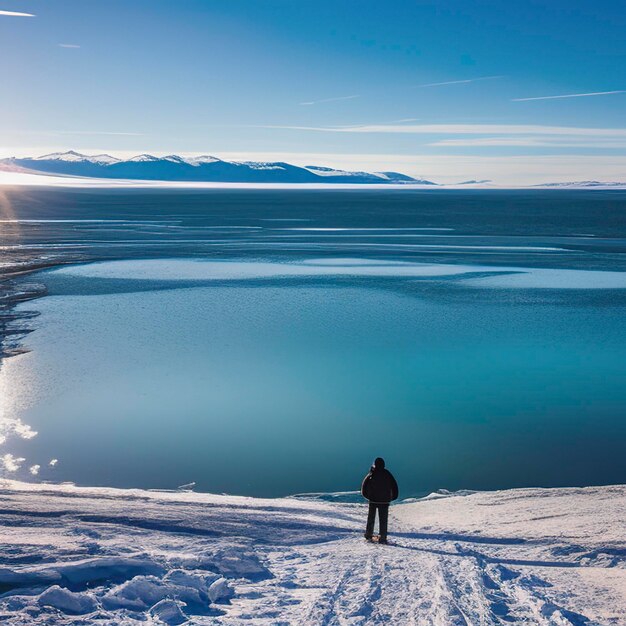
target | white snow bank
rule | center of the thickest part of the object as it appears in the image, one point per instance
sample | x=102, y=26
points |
x=473, y=276
x=169, y=612
x=80, y=573
x=68, y=601
x=188, y=269
x=548, y=557
x=143, y=592
x=532, y=278
x=230, y=561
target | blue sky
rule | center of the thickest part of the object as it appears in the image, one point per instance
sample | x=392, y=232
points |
x=447, y=89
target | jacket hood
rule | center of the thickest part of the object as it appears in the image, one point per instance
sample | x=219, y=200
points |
x=379, y=464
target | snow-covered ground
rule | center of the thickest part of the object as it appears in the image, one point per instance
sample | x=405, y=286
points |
x=71, y=555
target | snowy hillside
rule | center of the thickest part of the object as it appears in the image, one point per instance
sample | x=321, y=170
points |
x=199, y=169
x=74, y=555
x=76, y=157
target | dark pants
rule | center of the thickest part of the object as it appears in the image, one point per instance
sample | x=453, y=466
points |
x=383, y=516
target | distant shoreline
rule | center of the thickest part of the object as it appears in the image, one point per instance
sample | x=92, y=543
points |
x=14, y=324
x=33, y=178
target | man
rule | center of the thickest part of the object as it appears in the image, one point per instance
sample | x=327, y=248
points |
x=380, y=488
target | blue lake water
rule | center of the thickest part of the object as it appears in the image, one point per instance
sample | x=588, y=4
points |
x=467, y=360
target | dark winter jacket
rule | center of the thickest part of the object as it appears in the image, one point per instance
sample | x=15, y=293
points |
x=379, y=485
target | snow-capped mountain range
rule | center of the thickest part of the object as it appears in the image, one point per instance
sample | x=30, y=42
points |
x=203, y=168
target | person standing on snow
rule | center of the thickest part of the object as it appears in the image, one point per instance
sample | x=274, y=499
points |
x=380, y=488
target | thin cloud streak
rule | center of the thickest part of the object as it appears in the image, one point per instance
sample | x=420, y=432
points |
x=527, y=142
x=464, y=129
x=68, y=45
x=406, y=120
x=16, y=14
x=94, y=132
x=569, y=95
x=460, y=82
x=312, y=102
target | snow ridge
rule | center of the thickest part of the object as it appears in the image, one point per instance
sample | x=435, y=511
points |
x=77, y=157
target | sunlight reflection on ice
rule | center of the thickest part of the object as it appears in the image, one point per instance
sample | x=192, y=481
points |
x=11, y=427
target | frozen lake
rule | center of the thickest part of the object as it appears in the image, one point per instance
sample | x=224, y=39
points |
x=272, y=353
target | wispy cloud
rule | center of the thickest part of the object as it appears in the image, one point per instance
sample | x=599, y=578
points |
x=406, y=120
x=465, y=129
x=569, y=95
x=530, y=142
x=94, y=132
x=459, y=82
x=16, y=14
x=337, y=99
x=68, y=45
